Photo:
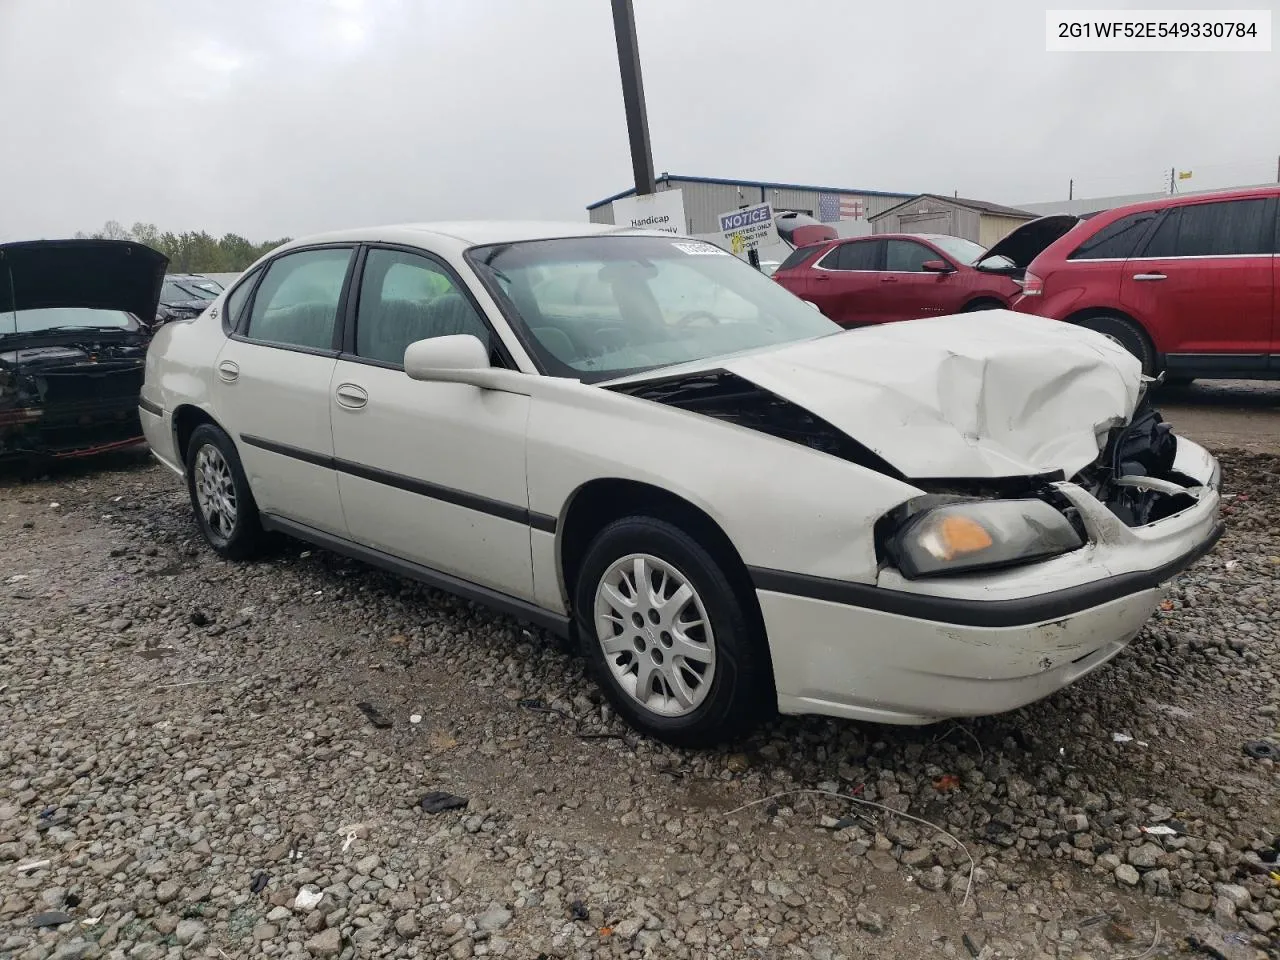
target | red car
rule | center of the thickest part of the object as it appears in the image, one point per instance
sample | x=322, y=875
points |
x=1190, y=285
x=894, y=276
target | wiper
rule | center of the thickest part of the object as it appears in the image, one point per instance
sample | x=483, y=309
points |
x=76, y=326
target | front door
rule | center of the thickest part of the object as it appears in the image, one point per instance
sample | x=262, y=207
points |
x=1203, y=285
x=271, y=386
x=428, y=472
x=907, y=291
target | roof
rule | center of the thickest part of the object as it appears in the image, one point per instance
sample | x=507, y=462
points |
x=469, y=233
x=982, y=206
x=766, y=184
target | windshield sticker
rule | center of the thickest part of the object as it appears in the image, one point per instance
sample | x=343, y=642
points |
x=700, y=249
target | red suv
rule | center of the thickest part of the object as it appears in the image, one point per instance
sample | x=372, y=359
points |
x=888, y=277
x=1189, y=285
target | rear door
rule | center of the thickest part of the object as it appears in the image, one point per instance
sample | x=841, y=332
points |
x=1202, y=285
x=843, y=282
x=271, y=386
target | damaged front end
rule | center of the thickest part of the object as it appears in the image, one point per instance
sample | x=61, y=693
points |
x=71, y=398
x=75, y=324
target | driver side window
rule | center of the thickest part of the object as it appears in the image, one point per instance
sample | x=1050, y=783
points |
x=405, y=298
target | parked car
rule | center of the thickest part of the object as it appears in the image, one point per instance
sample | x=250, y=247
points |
x=186, y=295
x=899, y=276
x=72, y=344
x=730, y=511
x=1189, y=285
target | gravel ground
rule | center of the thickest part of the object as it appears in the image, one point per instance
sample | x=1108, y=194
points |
x=185, y=772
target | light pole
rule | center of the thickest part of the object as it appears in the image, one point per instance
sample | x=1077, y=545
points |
x=624, y=31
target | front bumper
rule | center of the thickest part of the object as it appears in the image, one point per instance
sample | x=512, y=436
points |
x=912, y=652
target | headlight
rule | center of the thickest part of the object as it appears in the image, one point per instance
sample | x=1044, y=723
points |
x=980, y=535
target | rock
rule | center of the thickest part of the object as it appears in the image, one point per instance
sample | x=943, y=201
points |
x=1200, y=902
x=327, y=943
x=1146, y=856
x=932, y=879
x=50, y=918
x=407, y=925
x=1237, y=894
x=167, y=892
x=461, y=950
x=1075, y=822
x=882, y=860
x=187, y=931
x=1127, y=875
x=868, y=921
x=494, y=918
x=1262, y=922
x=265, y=931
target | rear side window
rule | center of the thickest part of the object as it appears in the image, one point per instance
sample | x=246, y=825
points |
x=1232, y=227
x=799, y=256
x=233, y=308
x=853, y=256
x=1115, y=241
x=297, y=301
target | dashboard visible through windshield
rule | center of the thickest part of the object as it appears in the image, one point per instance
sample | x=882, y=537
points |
x=596, y=308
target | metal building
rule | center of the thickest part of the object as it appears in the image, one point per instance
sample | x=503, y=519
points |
x=705, y=198
x=977, y=220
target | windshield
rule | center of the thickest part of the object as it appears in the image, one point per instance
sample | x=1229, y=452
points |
x=966, y=251
x=178, y=290
x=596, y=308
x=50, y=318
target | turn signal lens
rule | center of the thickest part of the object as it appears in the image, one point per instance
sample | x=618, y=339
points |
x=954, y=536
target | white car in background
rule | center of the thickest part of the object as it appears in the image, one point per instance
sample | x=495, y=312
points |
x=641, y=442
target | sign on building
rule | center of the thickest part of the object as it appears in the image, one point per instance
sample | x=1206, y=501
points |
x=655, y=211
x=747, y=228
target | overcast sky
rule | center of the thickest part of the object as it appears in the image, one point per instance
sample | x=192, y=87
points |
x=284, y=117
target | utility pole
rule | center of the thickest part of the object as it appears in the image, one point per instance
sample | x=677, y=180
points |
x=1277, y=169
x=1173, y=179
x=624, y=32
x=1071, y=189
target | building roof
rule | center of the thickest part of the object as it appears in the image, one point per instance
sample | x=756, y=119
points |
x=982, y=206
x=766, y=184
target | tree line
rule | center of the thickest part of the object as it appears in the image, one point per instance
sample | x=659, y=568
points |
x=189, y=251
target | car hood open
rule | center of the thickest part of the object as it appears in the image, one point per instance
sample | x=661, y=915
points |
x=1028, y=241
x=95, y=274
x=979, y=395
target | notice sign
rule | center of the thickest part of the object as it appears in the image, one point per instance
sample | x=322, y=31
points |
x=745, y=229
x=654, y=211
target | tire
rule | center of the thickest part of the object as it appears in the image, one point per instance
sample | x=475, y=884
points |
x=1128, y=334
x=220, y=495
x=983, y=305
x=724, y=683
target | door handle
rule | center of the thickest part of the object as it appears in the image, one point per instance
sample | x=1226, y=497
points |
x=228, y=371
x=821, y=276
x=888, y=279
x=1149, y=276
x=351, y=396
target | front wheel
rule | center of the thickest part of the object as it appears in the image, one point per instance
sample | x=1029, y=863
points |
x=669, y=640
x=220, y=494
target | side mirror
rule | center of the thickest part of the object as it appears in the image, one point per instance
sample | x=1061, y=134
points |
x=937, y=266
x=449, y=358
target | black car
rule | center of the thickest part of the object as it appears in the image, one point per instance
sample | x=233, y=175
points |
x=185, y=295
x=75, y=322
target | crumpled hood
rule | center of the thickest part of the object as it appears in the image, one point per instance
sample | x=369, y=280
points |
x=976, y=395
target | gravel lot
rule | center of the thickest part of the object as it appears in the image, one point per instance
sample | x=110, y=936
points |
x=185, y=771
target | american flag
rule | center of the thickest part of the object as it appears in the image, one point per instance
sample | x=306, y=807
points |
x=834, y=206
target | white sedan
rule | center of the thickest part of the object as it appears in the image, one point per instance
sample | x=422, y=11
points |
x=639, y=441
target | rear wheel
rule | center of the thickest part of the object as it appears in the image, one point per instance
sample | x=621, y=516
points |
x=1127, y=334
x=220, y=494
x=982, y=305
x=670, y=642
